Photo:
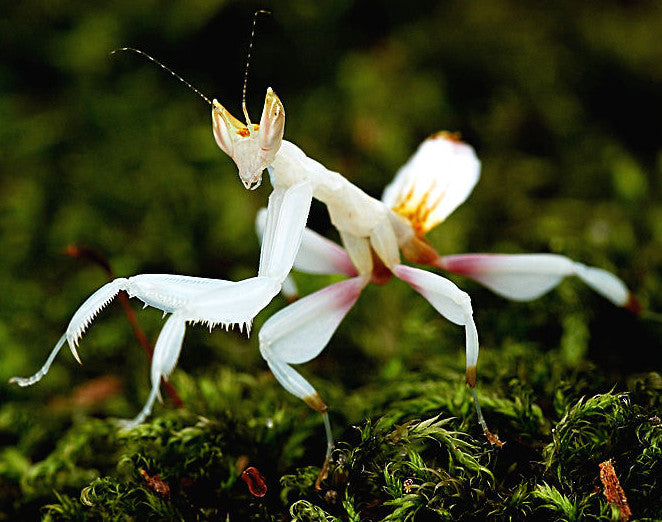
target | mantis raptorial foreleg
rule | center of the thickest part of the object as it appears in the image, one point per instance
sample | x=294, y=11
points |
x=214, y=302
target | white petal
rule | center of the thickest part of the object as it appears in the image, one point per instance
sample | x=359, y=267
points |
x=434, y=182
x=300, y=331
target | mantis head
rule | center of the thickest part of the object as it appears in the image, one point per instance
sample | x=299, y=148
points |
x=252, y=147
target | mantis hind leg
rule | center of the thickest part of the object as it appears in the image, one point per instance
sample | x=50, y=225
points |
x=298, y=333
x=454, y=305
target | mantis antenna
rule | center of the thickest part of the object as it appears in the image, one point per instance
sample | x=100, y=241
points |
x=167, y=69
x=194, y=89
x=248, y=61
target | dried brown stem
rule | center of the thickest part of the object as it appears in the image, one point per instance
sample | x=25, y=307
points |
x=613, y=490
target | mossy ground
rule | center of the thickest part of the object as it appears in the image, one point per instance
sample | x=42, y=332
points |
x=408, y=448
x=562, y=102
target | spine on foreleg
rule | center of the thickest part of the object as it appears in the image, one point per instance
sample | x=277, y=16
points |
x=77, y=326
x=91, y=308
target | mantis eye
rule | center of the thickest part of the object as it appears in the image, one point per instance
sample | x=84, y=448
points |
x=272, y=123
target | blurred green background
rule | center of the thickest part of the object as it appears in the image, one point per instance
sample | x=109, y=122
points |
x=562, y=101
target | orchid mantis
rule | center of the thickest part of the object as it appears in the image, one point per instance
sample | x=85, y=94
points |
x=435, y=181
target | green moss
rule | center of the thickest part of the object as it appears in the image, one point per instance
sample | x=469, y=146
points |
x=391, y=467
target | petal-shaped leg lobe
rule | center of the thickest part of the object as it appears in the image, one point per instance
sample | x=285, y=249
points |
x=294, y=383
x=449, y=301
x=605, y=283
x=299, y=332
x=519, y=277
x=522, y=277
x=455, y=305
x=166, y=352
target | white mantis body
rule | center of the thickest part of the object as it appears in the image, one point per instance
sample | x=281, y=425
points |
x=437, y=179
